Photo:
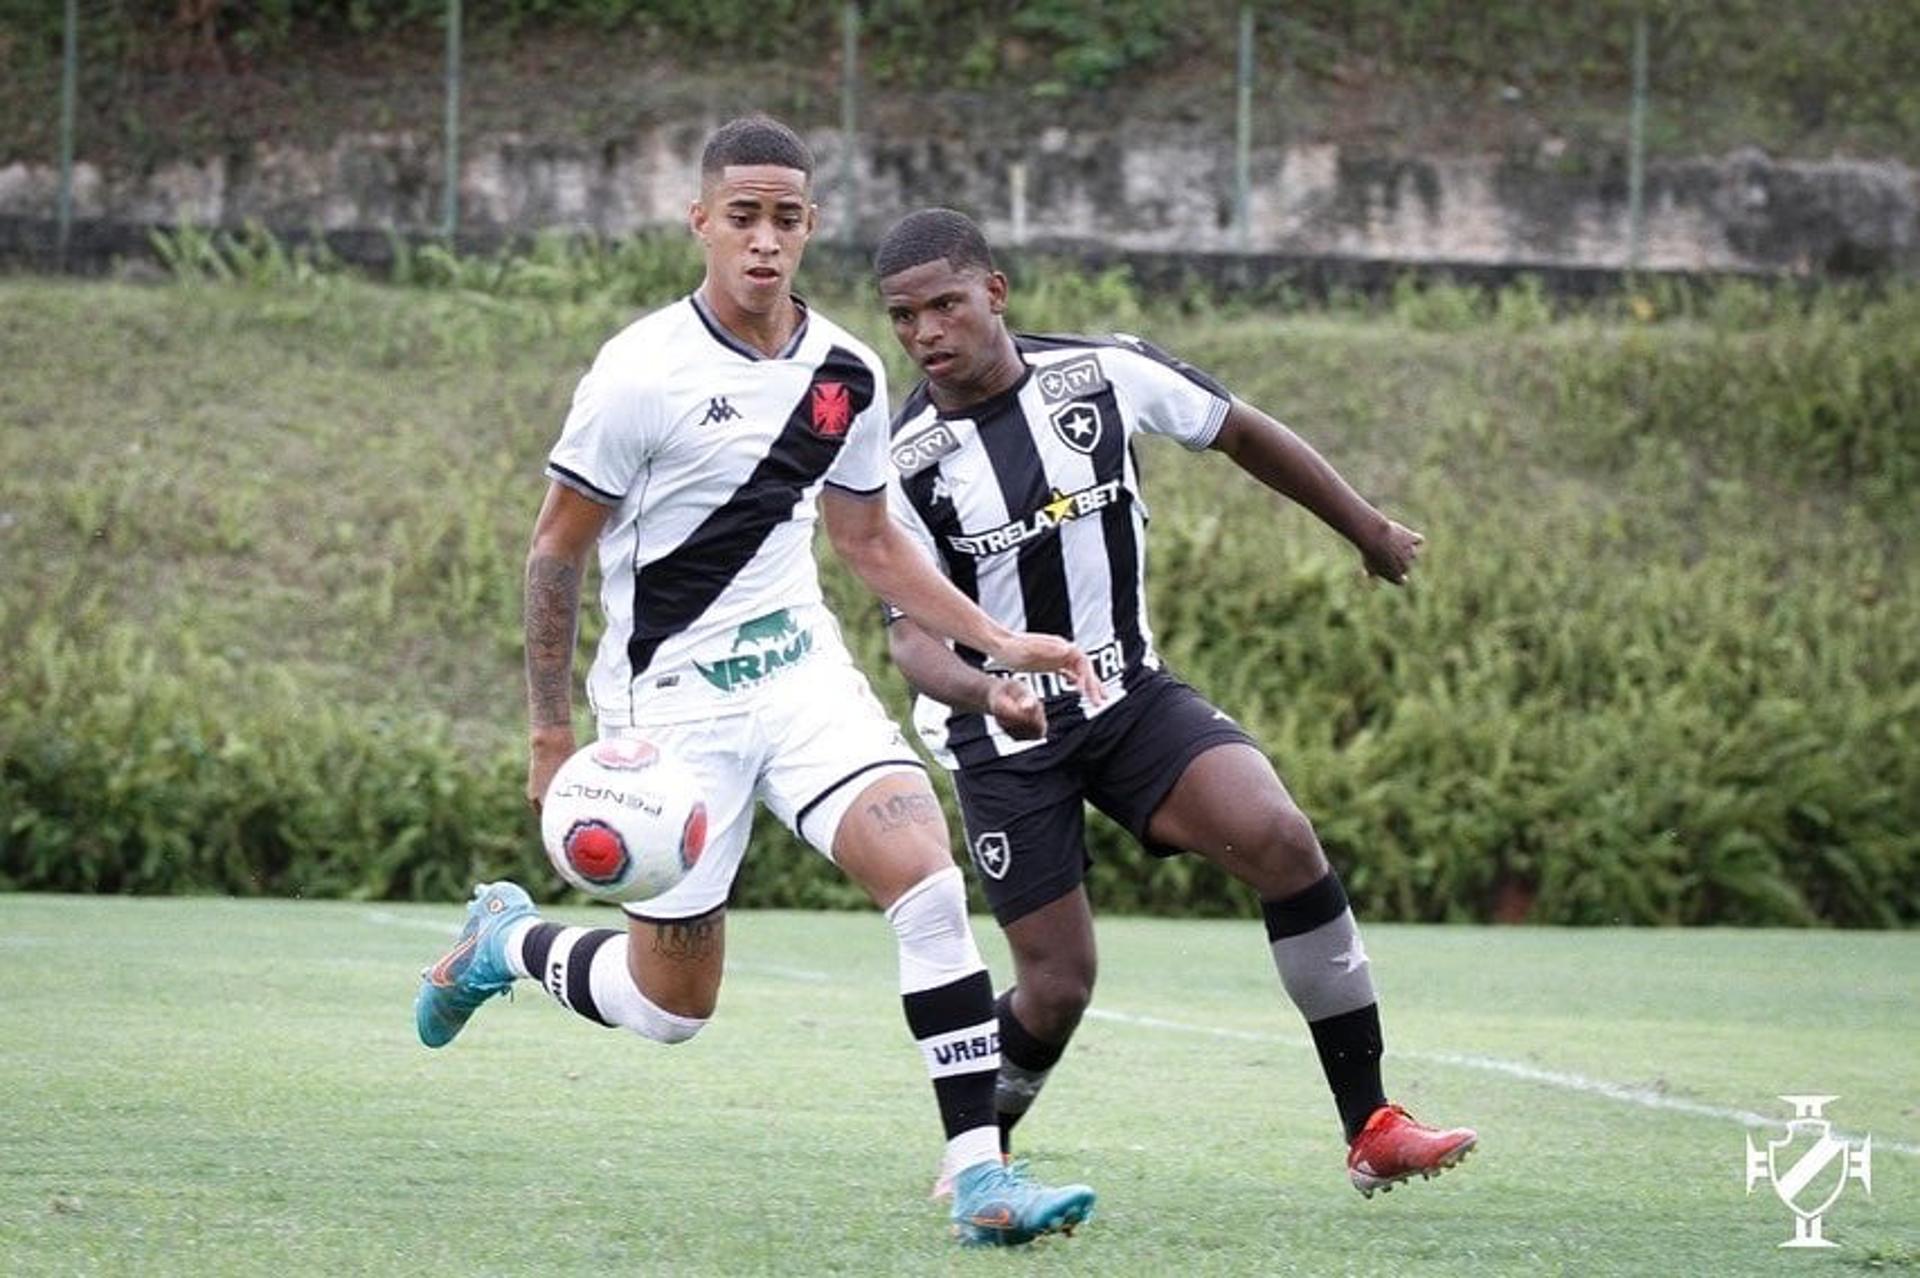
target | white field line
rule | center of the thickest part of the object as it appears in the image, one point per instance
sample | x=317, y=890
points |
x=387, y=919
x=1645, y=1097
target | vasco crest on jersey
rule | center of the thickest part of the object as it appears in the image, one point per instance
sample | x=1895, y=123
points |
x=831, y=409
x=841, y=389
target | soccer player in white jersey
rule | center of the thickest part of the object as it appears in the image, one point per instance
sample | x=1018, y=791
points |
x=697, y=450
x=1014, y=471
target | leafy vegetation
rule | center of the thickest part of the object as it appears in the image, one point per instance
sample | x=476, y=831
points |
x=260, y=537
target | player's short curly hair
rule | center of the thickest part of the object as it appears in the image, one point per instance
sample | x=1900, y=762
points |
x=926, y=234
x=754, y=139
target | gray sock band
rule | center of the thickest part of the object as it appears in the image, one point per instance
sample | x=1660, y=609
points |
x=1015, y=1087
x=1326, y=970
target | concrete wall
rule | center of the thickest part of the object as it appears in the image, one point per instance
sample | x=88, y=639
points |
x=1161, y=189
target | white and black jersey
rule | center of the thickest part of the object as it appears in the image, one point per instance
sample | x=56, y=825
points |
x=1030, y=503
x=711, y=457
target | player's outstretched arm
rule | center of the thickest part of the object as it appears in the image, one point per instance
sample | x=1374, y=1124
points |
x=933, y=668
x=1291, y=467
x=892, y=567
x=563, y=535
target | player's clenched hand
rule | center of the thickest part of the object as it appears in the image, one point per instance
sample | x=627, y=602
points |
x=1017, y=709
x=1028, y=651
x=1390, y=555
x=547, y=749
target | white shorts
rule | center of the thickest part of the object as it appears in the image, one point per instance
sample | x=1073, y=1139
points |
x=806, y=745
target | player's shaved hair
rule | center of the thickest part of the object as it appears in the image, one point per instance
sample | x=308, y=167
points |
x=929, y=235
x=754, y=139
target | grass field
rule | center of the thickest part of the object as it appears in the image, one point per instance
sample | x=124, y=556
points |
x=209, y=1086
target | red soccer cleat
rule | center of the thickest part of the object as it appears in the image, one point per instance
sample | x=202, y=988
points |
x=1393, y=1147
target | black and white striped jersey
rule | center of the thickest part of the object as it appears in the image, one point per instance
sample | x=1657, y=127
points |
x=1030, y=503
x=711, y=457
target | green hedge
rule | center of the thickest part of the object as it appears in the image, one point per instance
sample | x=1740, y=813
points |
x=1610, y=747
x=1656, y=665
x=1820, y=393
x=131, y=768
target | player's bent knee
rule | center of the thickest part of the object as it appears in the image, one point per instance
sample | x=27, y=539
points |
x=678, y=1032
x=1065, y=989
x=1286, y=860
x=651, y=1021
x=936, y=940
x=1273, y=827
x=1075, y=997
x=893, y=838
x=1293, y=833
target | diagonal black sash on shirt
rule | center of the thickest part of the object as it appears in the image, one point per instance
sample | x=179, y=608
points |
x=673, y=591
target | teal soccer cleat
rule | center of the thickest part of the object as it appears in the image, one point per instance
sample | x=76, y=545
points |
x=475, y=969
x=998, y=1206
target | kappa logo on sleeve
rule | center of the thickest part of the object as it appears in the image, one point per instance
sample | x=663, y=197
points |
x=1071, y=379
x=917, y=452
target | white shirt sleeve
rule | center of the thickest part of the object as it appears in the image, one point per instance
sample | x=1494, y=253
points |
x=862, y=465
x=1166, y=396
x=608, y=436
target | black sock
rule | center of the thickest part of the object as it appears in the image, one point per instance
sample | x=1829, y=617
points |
x=953, y=1025
x=1349, y=1046
x=560, y=958
x=1317, y=951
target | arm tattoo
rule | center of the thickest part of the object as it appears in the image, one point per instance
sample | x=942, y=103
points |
x=693, y=939
x=902, y=810
x=552, y=611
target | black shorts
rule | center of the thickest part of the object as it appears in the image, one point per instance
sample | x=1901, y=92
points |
x=1026, y=816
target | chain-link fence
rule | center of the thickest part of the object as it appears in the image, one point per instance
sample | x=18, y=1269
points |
x=1628, y=133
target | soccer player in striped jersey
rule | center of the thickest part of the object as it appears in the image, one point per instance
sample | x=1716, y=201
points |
x=699, y=448
x=1014, y=471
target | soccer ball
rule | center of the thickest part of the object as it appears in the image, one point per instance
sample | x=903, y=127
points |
x=623, y=820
